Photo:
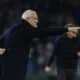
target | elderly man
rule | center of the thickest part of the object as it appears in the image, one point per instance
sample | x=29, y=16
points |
x=17, y=43
x=67, y=52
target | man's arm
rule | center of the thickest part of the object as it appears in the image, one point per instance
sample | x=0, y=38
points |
x=56, y=30
x=47, y=68
x=58, y=44
x=52, y=31
x=2, y=48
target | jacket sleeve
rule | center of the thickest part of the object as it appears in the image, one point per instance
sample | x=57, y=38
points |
x=2, y=42
x=10, y=39
x=57, y=44
x=51, y=59
x=51, y=31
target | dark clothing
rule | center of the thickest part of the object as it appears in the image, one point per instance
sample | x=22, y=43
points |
x=66, y=74
x=1, y=42
x=66, y=56
x=17, y=42
x=2, y=58
x=16, y=64
x=20, y=35
x=66, y=52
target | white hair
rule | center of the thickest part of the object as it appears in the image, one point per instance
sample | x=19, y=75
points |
x=27, y=13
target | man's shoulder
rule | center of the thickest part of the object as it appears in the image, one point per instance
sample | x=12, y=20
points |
x=16, y=25
x=12, y=28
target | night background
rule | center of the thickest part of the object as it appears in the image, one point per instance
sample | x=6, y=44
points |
x=52, y=13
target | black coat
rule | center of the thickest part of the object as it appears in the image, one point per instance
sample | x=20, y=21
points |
x=66, y=52
x=17, y=42
x=21, y=34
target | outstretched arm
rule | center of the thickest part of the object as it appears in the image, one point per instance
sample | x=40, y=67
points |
x=52, y=31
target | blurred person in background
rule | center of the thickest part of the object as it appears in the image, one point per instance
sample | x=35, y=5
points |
x=67, y=51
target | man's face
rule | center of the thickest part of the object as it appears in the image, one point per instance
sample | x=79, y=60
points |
x=72, y=33
x=33, y=20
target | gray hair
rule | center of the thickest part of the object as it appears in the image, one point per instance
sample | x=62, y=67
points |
x=68, y=25
x=26, y=14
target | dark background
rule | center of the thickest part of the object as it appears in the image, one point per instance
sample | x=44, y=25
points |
x=51, y=12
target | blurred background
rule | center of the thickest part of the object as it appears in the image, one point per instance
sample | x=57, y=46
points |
x=52, y=13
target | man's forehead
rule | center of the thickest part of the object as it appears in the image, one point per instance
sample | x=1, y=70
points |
x=34, y=13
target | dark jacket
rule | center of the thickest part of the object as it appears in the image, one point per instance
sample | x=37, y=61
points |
x=17, y=42
x=66, y=52
x=20, y=35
